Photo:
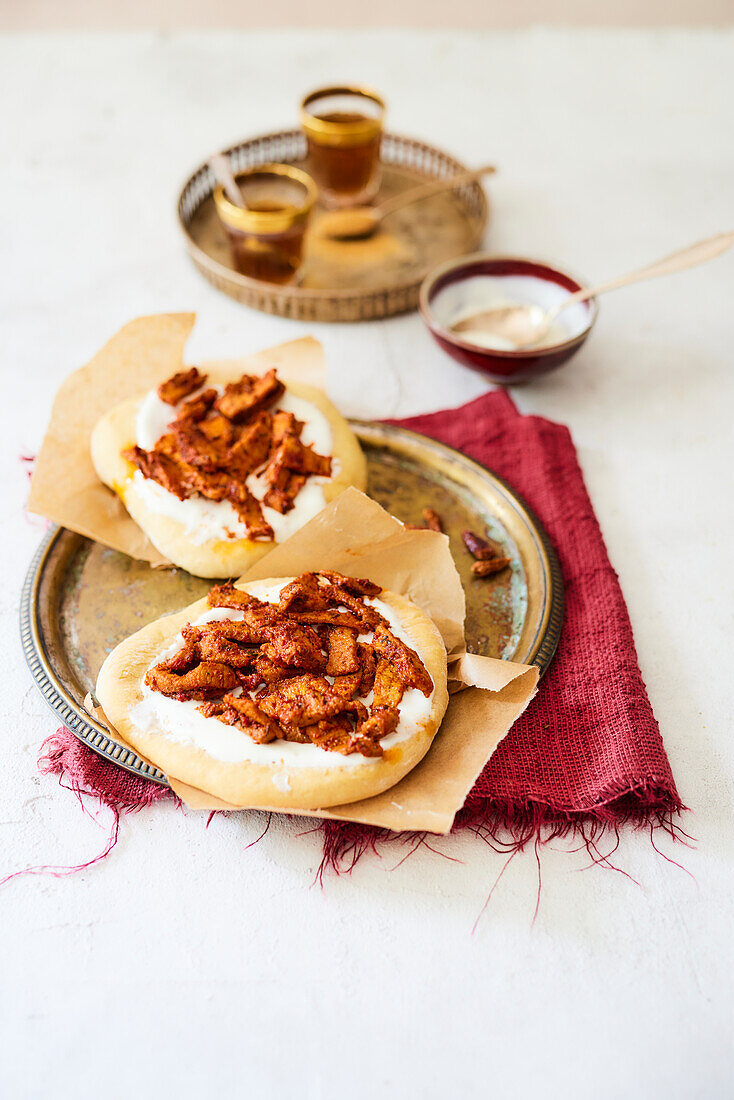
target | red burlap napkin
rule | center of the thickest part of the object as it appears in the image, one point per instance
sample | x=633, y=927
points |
x=587, y=754
x=589, y=744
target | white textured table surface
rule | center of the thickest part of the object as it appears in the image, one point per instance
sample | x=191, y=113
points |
x=186, y=958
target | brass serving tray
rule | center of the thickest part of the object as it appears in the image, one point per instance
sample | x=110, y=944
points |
x=80, y=598
x=343, y=280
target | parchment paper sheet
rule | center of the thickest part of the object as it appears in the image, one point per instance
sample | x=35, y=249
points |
x=65, y=487
x=354, y=535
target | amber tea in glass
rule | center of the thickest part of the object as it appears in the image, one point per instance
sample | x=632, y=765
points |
x=266, y=235
x=343, y=128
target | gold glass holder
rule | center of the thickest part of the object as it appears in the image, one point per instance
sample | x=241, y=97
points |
x=342, y=133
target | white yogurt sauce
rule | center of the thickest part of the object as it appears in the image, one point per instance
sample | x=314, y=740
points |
x=463, y=299
x=182, y=722
x=216, y=519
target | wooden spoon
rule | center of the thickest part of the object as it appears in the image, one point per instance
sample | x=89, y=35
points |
x=524, y=326
x=362, y=221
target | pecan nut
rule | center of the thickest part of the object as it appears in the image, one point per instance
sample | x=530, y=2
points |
x=480, y=548
x=490, y=567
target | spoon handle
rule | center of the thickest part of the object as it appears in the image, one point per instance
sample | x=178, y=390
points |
x=219, y=165
x=697, y=253
x=424, y=190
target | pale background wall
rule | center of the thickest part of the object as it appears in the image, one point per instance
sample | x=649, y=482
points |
x=465, y=14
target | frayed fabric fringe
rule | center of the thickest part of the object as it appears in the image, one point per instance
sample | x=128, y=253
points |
x=508, y=827
x=91, y=777
x=87, y=773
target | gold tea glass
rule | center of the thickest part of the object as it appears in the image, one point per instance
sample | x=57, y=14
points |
x=266, y=235
x=343, y=128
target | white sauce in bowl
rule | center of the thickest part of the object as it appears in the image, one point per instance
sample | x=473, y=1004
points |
x=182, y=722
x=469, y=296
x=204, y=519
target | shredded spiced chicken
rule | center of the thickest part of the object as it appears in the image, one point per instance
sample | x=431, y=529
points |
x=217, y=440
x=297, y=669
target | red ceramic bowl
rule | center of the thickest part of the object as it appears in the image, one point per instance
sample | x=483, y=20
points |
x=460, y=281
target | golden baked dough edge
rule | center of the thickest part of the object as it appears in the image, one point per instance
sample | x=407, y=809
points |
x=216, y=558
x=276, y=786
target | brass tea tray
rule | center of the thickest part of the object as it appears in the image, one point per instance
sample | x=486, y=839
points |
x=80, y=598
x=343, y=280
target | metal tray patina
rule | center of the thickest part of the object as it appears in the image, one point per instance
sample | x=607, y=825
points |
x=80, y=599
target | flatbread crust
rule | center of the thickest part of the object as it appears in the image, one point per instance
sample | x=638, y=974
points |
x=277, y=785
x=216, y=557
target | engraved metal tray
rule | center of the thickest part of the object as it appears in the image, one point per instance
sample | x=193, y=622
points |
x=80, y=598
x=343, y=280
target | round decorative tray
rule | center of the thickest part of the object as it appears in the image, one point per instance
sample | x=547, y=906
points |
x=344, y=280
x=80, y=599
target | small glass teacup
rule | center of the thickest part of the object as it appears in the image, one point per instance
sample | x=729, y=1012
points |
x=343, y=127
x=266, y=235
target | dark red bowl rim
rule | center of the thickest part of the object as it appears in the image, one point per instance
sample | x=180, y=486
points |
x=438, y=278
